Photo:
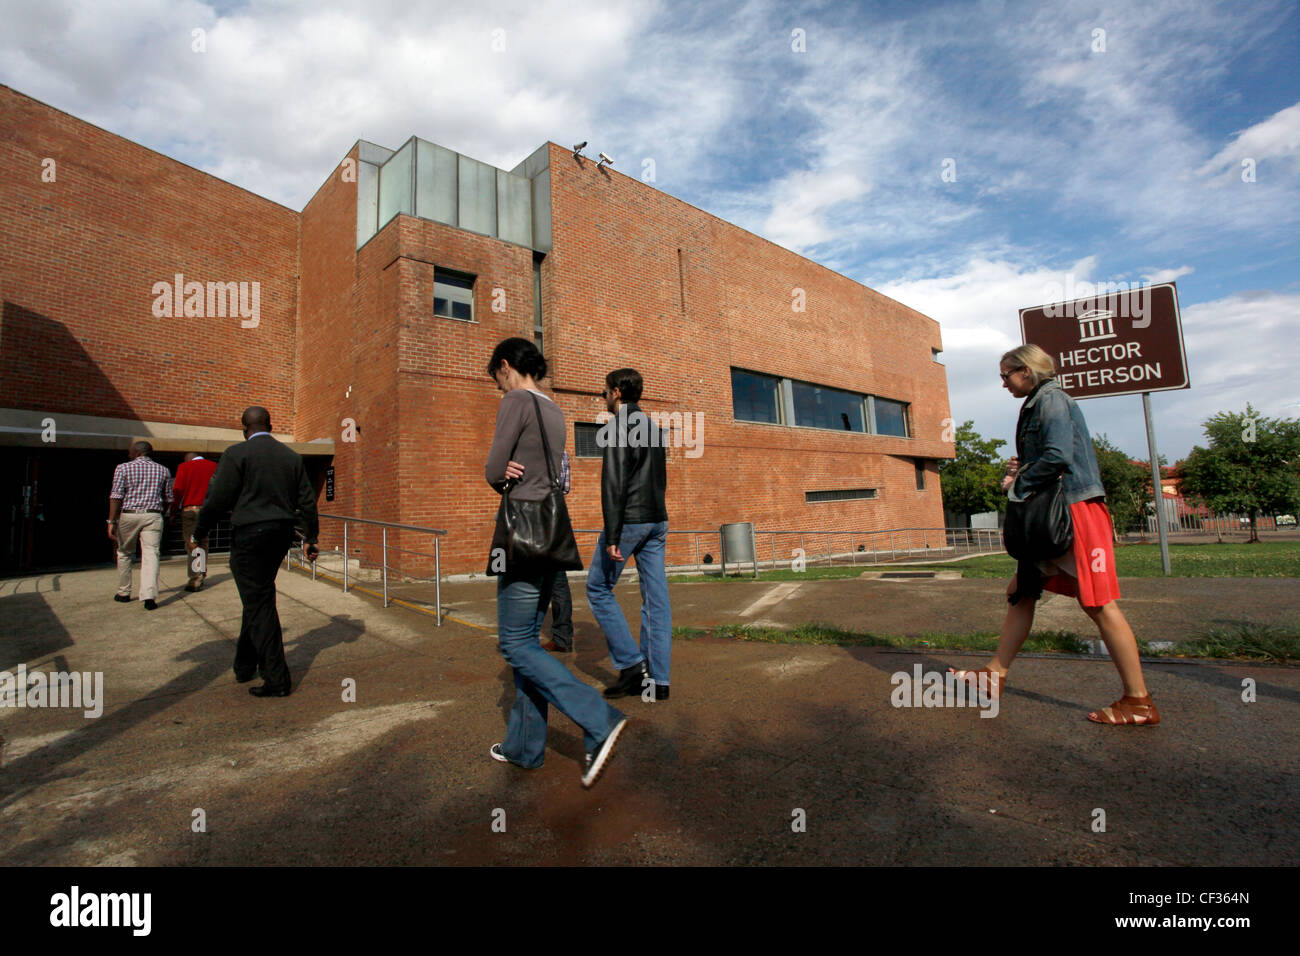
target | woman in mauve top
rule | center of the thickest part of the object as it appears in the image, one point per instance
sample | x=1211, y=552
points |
x=517, y=462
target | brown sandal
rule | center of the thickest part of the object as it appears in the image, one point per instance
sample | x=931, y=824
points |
x=1127, y=711
x=994, y=681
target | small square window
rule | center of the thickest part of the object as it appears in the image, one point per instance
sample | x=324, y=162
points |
x=891, y=418
x=453, y=295
x=585, y=444
x=755, y=397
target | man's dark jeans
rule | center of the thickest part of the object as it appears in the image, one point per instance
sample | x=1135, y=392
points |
x=562, y=612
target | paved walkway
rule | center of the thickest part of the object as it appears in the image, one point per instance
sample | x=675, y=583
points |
x=752, y=734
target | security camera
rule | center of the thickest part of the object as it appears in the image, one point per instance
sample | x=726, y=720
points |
x=606, y=159
x=580, y=147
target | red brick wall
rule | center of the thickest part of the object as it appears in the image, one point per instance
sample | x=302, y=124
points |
x=328, y=332
x=78, y=260
x=613, y=294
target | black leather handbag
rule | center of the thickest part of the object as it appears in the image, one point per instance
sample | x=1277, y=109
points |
x=537, y=532
x=1039, y=527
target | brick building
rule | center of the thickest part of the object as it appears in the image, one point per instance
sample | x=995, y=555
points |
x=143, y=298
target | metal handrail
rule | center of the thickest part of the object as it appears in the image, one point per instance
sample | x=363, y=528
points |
x=980, y=537
x=384, y=526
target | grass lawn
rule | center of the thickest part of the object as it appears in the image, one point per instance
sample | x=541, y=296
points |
x=1275, y=645
x=1266, y=559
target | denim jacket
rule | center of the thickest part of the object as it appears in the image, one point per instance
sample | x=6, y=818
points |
x=1052, y=440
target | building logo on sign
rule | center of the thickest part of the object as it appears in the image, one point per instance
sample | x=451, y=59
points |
x=1096, y=324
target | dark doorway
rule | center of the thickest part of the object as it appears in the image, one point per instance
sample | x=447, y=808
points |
x=53, y=503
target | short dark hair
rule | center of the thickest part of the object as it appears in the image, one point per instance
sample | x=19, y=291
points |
x=141, y=448
x=627, y=381
x=524, y=357
x=255, y=416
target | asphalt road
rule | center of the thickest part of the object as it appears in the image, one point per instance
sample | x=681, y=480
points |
x=764, y=754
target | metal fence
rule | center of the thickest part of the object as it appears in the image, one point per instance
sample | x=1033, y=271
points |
x=1182, y=517
x=366, y=551
x=701, y=550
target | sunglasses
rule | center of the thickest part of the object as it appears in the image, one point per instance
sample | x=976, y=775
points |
x=1007, y=375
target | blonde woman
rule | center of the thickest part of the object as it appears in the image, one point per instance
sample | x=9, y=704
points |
x=1052, y=442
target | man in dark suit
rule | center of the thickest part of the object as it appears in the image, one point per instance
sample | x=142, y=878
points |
x=265, y=487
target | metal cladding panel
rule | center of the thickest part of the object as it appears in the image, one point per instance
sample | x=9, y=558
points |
x=514, y=209
x=370, y=153
x=435, y=182
x=478, y=196
x=534, y=164
x=367, y=202
x=395, y=184
x=542, y=211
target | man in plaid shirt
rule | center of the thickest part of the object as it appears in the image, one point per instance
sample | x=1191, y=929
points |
x=141, y=490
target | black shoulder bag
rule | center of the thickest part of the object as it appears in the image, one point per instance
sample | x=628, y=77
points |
x=532, y=532
x=1039, y=527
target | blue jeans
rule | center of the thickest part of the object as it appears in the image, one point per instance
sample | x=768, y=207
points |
x=540, y=679
x=649, y=543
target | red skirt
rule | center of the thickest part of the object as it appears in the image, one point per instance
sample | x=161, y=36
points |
x=1093, y=581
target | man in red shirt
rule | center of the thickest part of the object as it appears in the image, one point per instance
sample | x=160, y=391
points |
x=191, y=488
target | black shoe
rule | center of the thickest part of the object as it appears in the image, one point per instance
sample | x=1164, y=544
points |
x=661, y=691
x=125, y=599
x=150, y=604
x=630, y=683
x=244, y=678
x=266, y=690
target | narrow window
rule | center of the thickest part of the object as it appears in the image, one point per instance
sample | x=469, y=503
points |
x=839, y=494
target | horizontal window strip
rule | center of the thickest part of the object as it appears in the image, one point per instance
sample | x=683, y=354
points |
x=839, y=494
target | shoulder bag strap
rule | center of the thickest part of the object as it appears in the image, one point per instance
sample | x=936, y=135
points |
x=546, y=444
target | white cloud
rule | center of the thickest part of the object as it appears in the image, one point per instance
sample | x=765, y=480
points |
x=284, y=89
x=801, y=200
x=1166, y=275
x=1277, y=136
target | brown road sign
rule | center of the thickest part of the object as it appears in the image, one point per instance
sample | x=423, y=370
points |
x=1114, y=343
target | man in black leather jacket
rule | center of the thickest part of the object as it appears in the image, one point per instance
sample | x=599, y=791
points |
x=632, y=485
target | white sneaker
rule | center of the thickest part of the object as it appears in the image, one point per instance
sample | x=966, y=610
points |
x=596, y=761
x=497, y=754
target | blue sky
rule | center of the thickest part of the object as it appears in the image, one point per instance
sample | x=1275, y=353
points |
x=1074, y=163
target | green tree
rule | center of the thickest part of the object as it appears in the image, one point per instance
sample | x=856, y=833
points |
x=1127, y=484
x=1249, y=467
x=972, y=482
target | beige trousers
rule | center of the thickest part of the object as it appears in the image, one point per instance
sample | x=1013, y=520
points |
x=147, y=528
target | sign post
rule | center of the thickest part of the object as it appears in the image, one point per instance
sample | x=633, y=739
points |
x=1158, y=497
x=1125, y=342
